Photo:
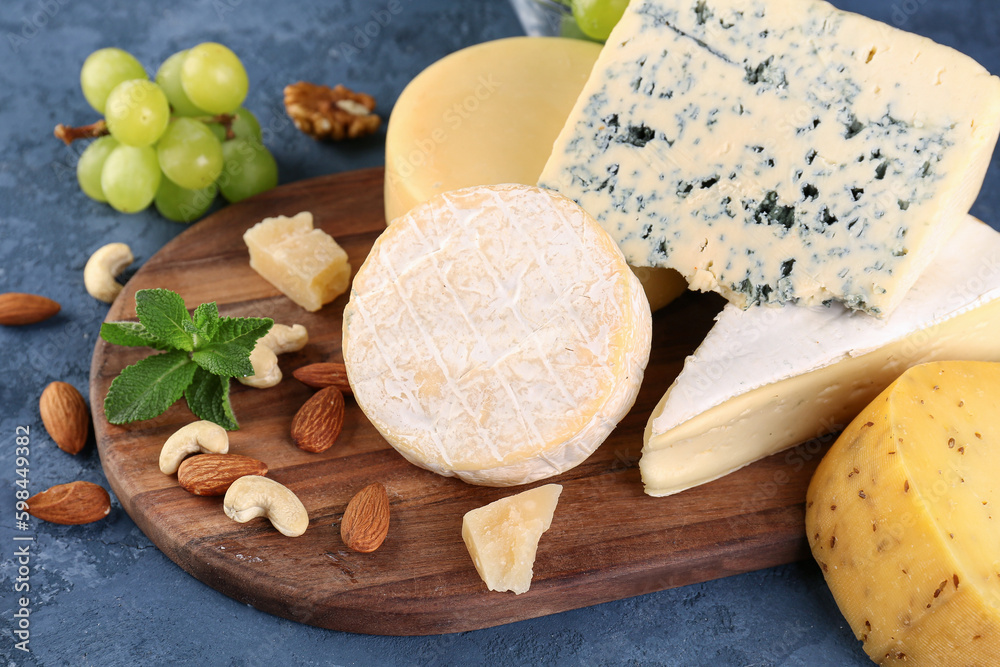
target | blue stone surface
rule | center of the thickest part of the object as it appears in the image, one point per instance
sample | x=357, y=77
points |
x=102, y=594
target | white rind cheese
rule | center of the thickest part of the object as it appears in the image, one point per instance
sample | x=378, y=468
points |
x=497, y=334
x=778, y=150
x=766, y=379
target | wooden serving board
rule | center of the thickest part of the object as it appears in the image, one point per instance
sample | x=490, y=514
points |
x=607, y=541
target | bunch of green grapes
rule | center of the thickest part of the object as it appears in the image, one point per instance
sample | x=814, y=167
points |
x=175, y=142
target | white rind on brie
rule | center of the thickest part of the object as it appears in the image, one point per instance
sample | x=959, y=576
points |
x=766, y=379
x=497, y=334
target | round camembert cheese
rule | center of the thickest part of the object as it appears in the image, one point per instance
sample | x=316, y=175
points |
x=497, y=334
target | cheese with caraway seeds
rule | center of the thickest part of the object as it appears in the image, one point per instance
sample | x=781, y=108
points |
x=902, y=516
x=488, y=114
x=766, y=379
x=497, y=334
x=307, y=265
x=502, y=537
x=778, y=150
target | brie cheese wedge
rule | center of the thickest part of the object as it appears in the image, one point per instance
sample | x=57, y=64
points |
x=766, y=379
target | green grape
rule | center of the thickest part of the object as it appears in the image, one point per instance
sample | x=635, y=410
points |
x=213, y=78
x=103, y=70
x=568, y=27
x=189, y=154
x=130, y=178
x=181, y=204
x=217, y=130
x=245, y=125
x=90, y=165
x=250, y=169
x=137, y=112
x=168, y=77
x=597, y=18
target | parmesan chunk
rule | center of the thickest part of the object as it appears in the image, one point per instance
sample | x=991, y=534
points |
x=502, y=537
x=306, y=264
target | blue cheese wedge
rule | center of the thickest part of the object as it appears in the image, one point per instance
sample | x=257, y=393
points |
x=766, y=379
x=495, y=333
x=778, y=150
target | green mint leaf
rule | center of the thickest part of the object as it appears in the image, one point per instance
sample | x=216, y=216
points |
x=131, y=334
x=205, y=351
x=234, y=339
x=148, y=387
x=208, y=397
x=242, y=331
x=228, y=359
x=164, y=315
x=206, y=318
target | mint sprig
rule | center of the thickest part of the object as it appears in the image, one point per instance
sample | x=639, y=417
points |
x=201, y=352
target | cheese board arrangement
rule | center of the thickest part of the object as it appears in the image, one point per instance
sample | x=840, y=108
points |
x=606, y=541
x=511, y=306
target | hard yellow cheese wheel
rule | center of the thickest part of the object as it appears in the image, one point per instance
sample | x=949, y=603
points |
x=487, y=115
x=903, y=516
x=496, y=333
x=484, y=115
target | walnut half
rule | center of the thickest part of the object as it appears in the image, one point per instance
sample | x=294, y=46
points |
x=330, y=113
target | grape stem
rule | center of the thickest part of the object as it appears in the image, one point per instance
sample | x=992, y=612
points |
x=70, y=134
x=225, y=120
x=99, y=128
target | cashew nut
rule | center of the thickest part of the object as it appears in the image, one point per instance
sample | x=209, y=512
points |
x=279, y=340
x=201, y=436
x=265, y=368
x=283, y=338
x=253, y=496
x=102, y=268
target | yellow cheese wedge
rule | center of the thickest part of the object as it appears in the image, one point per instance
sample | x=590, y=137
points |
x=903, y=516
x=306, y=264
x=496, y=334
x=486, y=115
x=502, y=537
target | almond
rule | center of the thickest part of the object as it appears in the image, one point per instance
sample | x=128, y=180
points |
x=65, y=416
x=70, y=504
x=324, y=375
x=366, y=520
x=213, y=474
x=17, y=308
x=318, y=422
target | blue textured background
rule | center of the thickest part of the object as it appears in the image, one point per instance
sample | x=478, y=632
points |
x=102, y=594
